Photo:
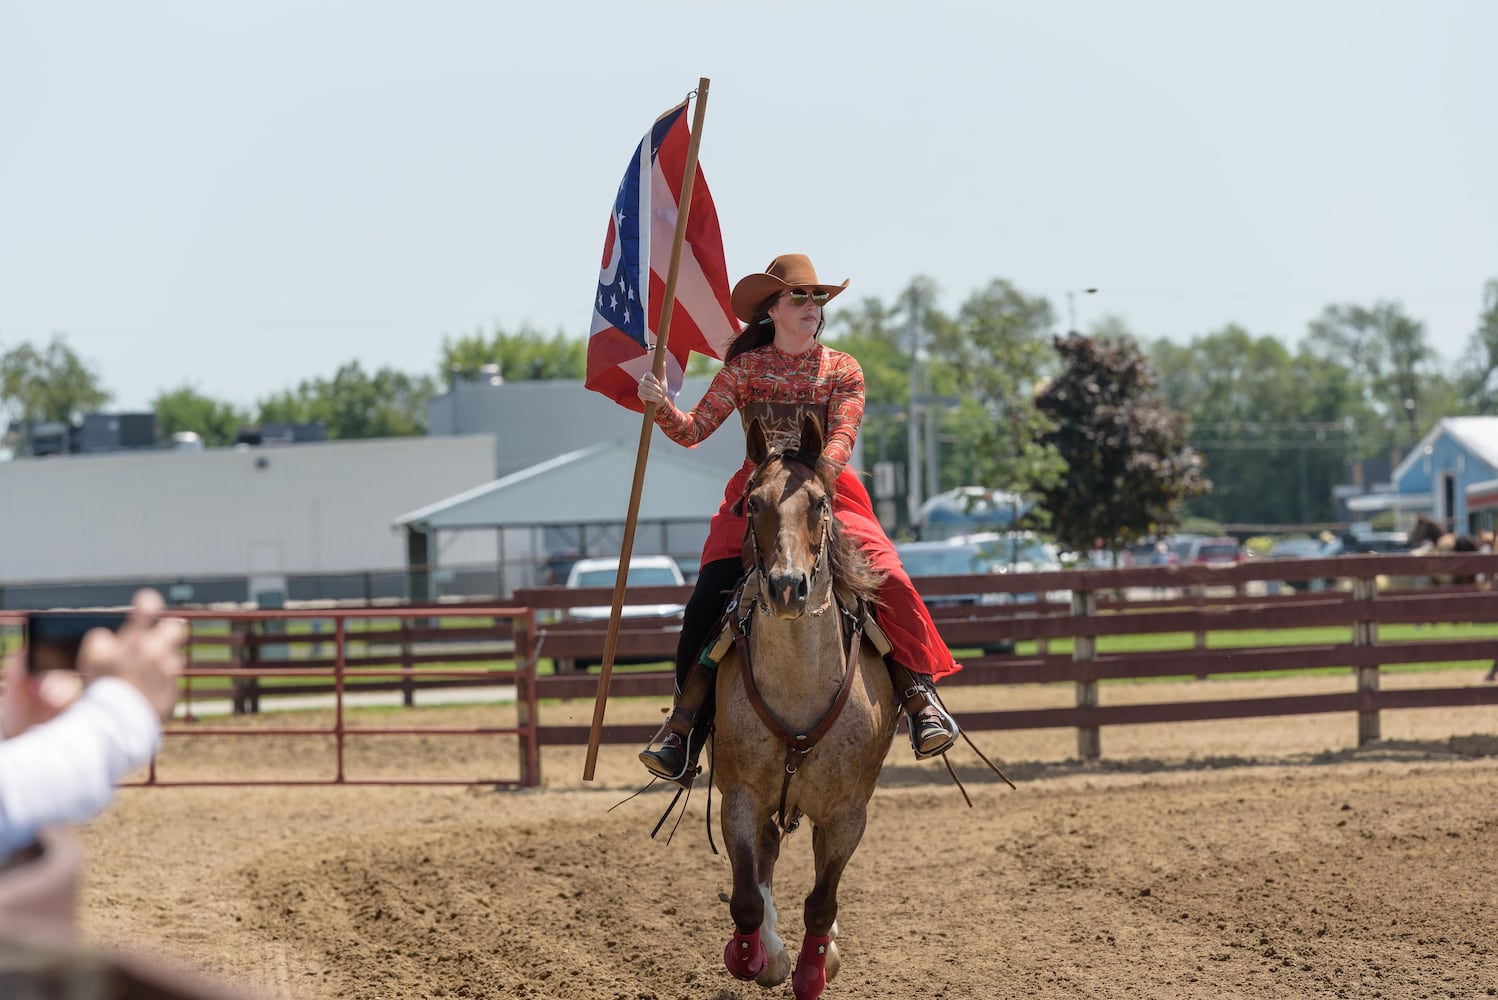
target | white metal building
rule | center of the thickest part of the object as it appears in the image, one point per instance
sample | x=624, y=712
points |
x=306, y=508
x=536, y=421
x=573, y=506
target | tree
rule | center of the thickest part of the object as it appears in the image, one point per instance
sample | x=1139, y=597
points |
x=875, y=334
x=1384, y=346
x=520, y=356
x=1475, y=376
x=1277, y=429
x=186, y=409
x=1128, y=468
x=976, y=376
x=355, y=405
x=50, y=383
x=992, y=355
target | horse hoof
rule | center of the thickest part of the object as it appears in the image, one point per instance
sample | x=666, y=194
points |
x=744, y=955
x=777, y=970
x=810, y=978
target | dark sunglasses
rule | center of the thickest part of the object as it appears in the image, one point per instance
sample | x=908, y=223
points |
x=799, y=298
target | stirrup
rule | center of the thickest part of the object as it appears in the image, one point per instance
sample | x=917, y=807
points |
x=949, y=728
x=681, y=774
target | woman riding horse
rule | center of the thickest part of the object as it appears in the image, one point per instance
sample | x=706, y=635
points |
x=806, y=710
x=777, y=371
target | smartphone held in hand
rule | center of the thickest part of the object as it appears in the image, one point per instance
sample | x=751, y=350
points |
x=53, y=637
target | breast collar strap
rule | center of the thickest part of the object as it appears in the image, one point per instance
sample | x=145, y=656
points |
x=797, y=745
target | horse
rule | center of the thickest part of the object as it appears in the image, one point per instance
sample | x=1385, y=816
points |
x=805, y=710
x=1429, y=535
x=1430, y=532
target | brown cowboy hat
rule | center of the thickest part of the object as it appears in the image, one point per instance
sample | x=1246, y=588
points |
x=789, y=270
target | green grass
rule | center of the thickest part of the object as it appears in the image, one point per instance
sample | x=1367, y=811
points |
x=1250, y=638
x=1263, y=638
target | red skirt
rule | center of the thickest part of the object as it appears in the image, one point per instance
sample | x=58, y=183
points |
x=901, y=613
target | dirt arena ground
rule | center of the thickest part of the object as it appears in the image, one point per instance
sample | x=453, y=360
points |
x=1259, y=859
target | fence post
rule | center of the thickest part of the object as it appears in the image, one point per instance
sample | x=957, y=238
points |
x=1197, y=592
x=525, y=699
x=1089, y=743
x=247, y=689
x=408, y=680
x=1365, y=633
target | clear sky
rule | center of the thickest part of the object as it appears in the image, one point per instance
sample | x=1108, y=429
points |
x=237, y=196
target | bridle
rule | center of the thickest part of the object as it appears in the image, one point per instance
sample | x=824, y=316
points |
x=821, y=562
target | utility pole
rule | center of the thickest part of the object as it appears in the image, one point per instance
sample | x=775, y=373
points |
x=912, y=425
x=1071, y=309
x=933, y=446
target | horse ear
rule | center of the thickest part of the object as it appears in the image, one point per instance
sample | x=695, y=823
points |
x=813, y=439
x=756, y=441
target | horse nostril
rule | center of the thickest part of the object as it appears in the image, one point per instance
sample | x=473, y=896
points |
x=789, y=587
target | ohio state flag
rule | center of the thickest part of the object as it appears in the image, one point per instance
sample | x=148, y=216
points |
x=636, y=258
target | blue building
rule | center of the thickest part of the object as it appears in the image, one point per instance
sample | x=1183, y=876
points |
x=1452, y=474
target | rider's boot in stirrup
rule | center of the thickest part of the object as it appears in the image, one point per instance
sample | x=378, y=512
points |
x=674, y=757
x=932, y=729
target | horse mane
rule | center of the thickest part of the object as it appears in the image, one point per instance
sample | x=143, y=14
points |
x=854, y=576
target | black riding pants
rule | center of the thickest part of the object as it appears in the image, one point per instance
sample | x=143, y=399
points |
x=715, y=585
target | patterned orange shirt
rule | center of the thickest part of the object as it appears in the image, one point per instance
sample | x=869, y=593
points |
x=767, y=382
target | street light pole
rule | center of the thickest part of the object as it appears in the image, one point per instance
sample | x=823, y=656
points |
x=912, y=425
x=1071, y=309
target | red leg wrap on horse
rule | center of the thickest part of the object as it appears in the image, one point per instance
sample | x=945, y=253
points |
x=810, y=977
x=745, y=955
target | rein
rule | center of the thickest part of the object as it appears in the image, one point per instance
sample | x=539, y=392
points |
x=797, y=745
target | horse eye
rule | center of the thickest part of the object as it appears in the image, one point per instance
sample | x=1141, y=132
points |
x=752, y=506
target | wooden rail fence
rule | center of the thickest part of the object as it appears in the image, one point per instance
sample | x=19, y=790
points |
x=412, y=649
x=1147, y=601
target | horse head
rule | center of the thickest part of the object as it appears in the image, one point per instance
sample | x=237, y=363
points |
x=1426, y=530
x=788, y=505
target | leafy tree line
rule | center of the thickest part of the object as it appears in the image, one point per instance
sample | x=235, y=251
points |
x=1276, y=427
x=52, y=383
x=1273, y=426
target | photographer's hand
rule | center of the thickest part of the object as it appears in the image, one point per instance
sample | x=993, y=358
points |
x=29, y=700
x=146, y=652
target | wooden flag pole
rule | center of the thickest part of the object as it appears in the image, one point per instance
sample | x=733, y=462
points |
x=658, y=365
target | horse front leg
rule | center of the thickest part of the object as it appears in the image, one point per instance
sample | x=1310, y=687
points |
x=752, y=843
x=833, y=845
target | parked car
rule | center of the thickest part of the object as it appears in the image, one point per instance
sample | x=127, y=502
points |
x=644, y=571
x=1375, y=541
x=1296, y=548
x=1214, y=552
x=1156, y=553
x=947, y=558
x=953, y=557
x=1021, y=552
x=1178, y=547
x=1300, y=547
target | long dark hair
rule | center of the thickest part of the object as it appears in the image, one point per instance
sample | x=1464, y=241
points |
x=761, y=330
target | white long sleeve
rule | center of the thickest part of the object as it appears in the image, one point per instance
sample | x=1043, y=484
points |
x=65, y=771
